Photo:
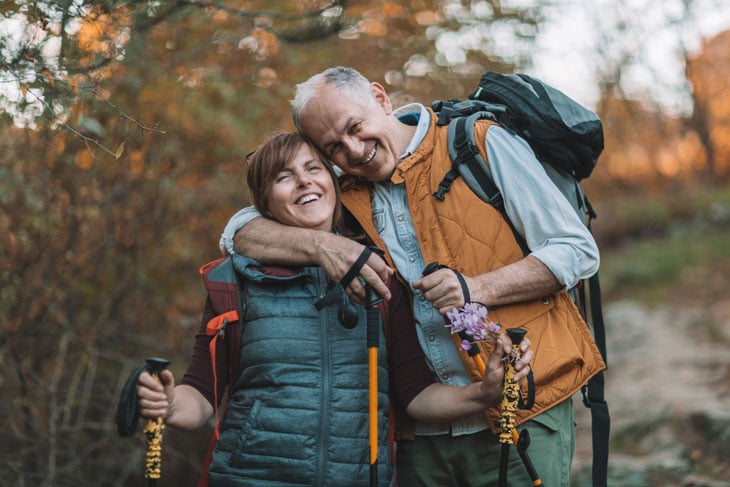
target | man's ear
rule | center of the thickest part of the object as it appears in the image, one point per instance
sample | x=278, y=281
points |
x=381, y=97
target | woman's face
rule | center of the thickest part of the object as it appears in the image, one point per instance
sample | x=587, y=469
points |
x=303, y=193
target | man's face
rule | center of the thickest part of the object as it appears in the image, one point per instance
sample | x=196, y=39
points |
x=360, y=140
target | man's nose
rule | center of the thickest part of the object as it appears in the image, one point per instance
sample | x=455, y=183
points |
x=354, y=147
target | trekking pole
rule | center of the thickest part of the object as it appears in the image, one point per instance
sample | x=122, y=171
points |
x=510, y=399
x=128, y=417
x=521, y=440
x=373, y=338
x=510, y=435
x=153, y=429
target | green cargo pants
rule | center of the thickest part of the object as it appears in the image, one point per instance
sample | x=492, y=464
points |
x=473, y=460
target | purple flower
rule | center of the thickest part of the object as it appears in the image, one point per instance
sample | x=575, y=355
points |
x=472, y=321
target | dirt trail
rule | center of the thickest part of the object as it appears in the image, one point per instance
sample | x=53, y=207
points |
x=664, y=366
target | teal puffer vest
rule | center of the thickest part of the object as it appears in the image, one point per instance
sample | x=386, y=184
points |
x=298, y=413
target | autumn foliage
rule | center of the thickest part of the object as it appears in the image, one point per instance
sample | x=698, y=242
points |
x=109, y=206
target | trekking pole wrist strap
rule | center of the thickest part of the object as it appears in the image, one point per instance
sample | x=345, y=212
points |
x=334, y=293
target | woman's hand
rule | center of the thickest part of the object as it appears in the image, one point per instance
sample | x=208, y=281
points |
x=156, y=398
x=493, y=381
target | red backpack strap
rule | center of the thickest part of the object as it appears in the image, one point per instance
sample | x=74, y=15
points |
x=203, y=481
x=217, y=328
x=223, y=289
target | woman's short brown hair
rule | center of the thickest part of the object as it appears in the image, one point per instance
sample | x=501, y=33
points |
x=269, y=158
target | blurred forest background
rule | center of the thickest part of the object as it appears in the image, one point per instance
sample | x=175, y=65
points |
x=123, y=126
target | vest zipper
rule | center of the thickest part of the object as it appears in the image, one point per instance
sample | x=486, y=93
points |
x=326, y=392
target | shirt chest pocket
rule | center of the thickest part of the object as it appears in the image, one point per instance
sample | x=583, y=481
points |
x=379, y=220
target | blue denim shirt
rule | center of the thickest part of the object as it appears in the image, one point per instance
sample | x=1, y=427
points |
x=394, y=224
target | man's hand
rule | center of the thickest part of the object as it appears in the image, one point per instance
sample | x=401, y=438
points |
x=274, y=243
x=523, y=280
x=338, y=254
x=443, y=290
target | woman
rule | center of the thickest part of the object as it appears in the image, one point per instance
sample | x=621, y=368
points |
x=298, y=410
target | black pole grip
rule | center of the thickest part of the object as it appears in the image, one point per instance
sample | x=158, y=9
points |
x=373, y=332
x=516, y=335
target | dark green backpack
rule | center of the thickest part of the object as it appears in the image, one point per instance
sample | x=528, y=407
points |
x=567, y=139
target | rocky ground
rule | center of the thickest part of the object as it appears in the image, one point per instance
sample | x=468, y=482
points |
x=668, y=389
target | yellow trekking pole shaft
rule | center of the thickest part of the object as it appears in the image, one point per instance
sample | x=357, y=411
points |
x=153, y=429
x=373, y=412
x=373, y=339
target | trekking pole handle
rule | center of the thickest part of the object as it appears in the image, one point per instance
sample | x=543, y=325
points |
x=516, y=335
x=153, y=428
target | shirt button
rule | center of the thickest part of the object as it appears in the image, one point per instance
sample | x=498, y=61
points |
x=431, y=338
x=411, y=259
x=400, y=218
x=444, y=376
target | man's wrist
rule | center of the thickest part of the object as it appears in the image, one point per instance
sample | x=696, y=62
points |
x=478, y=289
x=318, y=243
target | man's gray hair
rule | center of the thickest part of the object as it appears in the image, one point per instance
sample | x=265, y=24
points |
x=347, y=81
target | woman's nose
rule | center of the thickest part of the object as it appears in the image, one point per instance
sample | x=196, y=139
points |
x=303, y=179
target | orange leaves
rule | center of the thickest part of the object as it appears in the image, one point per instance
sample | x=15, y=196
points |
x=49, y=76
x=394, y=11
x=94, y=33
x=103, y=33
x=373, y=28
x=429, y=17
x=262, y=43
x=267, y=77
x=136, y=162
x=84, y=159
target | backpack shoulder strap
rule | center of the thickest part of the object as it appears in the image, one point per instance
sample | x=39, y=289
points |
x=467, y=162
x=227, y=292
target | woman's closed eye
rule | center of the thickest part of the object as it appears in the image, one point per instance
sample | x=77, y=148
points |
x=282, y=177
